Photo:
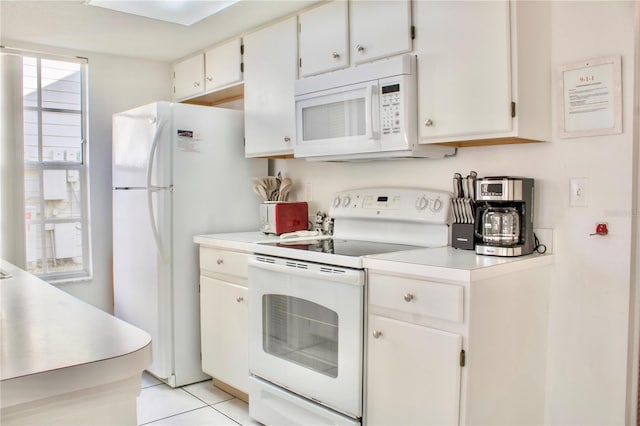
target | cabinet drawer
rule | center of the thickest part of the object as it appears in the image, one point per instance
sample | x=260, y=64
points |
x=223, y=262
x=444, y=301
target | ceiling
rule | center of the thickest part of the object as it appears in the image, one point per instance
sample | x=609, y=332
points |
x=71, y=24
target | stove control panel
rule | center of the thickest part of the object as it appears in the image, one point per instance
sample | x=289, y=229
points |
x=402, y=204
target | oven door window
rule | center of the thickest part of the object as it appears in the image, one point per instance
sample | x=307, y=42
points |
x=301, y=332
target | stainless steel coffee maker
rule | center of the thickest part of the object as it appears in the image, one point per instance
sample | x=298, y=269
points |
x=504, y=216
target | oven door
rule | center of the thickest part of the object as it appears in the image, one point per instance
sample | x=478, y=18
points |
x=306, y=330
x=344, y=120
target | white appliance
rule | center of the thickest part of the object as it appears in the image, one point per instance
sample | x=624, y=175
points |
x=178, y=171
x=307, y=304
x=361, y=113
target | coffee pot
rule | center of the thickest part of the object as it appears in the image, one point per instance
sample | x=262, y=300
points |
x=500, y=226
x=504, y=216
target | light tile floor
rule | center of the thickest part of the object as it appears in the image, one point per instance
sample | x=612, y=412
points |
x=198, y=404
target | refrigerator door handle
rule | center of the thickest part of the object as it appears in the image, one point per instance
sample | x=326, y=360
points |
x=152, y=152
x=151, y=189
x=154, y=227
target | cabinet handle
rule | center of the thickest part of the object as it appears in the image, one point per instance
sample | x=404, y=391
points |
x=287, y=139
x=428, y=123
x=335, y=55
x=196, y=84
x=220, y=261
x=408, y=297
x=377, y=334
x=360, y=48
x=239, y=299
x=209, y=78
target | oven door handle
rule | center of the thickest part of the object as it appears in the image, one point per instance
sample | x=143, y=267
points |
x=323, y=272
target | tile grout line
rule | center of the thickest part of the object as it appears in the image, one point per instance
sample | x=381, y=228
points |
x=231, y=397
x=174, y=415
x=230, y=418
x=206, y=404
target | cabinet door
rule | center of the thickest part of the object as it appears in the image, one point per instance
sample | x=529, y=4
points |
x=323, y=38
x=379, y=29
x=188, y=77
x=270, y=70
x=463, y=68
x=224, y=332
x=413, y=374
x=222, y=65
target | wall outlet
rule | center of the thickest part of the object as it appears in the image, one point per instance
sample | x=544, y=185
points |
x=579, y=192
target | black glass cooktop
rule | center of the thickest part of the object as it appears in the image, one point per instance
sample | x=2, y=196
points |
x=345, y=247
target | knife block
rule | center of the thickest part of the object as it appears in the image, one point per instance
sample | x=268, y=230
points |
x=463, y=236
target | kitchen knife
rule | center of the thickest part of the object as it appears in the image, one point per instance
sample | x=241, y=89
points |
x=454, y=209
x=465, y=187
x=473, y=177
x=457, y=185
x=462, y=210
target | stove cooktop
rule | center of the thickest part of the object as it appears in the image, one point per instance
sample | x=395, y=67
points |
x=330, y=251
x=345, y=247
x=404, y=218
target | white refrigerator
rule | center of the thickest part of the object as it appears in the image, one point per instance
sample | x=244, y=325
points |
x=178, y=171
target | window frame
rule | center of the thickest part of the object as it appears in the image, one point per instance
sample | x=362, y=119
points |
x=42, y=164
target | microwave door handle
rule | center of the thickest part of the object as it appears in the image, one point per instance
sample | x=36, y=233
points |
x=368, y=105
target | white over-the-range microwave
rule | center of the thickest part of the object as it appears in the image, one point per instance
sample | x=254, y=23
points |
x=361, y=113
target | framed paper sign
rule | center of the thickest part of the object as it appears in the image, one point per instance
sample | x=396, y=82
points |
x=591, y=102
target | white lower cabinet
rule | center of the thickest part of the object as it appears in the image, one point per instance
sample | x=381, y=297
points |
x=224, y=317
x=413, y=374
x=455, y=347
x=224, y=328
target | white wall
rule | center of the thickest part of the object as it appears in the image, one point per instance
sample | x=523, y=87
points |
x=589, y=292
x=116, y=83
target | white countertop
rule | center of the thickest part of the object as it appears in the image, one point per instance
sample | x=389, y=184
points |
x=234, y=241
x=448, y=263
x=444, y=263
x=48, y=334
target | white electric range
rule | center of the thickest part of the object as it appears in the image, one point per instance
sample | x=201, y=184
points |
x=307, y=303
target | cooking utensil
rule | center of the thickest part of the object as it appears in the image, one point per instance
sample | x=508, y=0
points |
x=259, y=189
x=285, y=187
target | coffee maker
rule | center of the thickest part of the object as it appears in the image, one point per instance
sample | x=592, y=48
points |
x=504, y=216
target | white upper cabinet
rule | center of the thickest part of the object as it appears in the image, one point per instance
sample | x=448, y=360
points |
x=482, y=76
x=323, y=38
x=222, y=65
x=379, y=29
x=217, y=68
x=270, y=70
x=188, y=77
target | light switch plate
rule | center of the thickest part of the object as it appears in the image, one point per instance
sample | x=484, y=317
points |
x=579, y=192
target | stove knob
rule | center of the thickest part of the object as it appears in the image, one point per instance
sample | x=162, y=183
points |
x=336, y=202
x=422, y=203
x=436, y=205
x=346, y=201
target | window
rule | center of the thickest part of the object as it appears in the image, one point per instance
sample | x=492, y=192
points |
x=56, y=214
